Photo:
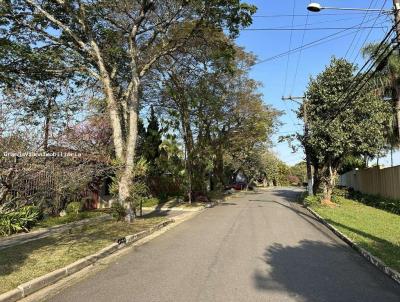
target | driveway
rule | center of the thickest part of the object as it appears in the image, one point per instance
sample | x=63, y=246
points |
x=255, y=247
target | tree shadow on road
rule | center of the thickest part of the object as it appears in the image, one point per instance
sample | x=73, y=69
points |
x=320, y=271
x=287, y=194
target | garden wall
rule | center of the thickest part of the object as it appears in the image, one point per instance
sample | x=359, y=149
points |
x=384, y=182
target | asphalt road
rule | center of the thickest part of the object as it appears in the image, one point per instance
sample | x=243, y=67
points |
x=258, y=247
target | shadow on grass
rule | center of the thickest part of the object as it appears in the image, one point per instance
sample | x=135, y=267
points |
x=319, y=271
x=12, y=258
x=390, y=251
x=156, y=213
x=58, y=250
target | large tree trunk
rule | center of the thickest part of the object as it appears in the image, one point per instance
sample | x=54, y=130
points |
x=112, y=104
x=47, y=120
x=126, y=180
x=317, y=179
x=124, y=139
x=189, y=144
x=219, y=167
x=328, y=182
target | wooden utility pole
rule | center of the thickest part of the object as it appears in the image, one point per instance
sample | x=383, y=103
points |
x=396, y=10
x=303, y=102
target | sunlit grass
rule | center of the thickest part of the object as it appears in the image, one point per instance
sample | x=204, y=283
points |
x=375, y=230
x=53, y=221
x=27, y=261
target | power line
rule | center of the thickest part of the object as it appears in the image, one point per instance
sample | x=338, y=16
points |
x=288, y=61
x=349, y=91
x=308, y=29
x=290, y=48
x=314, y=15
x=369, y=33
x=382, y=43
x=356, y=93
x=325, y=21
x=319, y=41
x=299, y=56
x=362, y=22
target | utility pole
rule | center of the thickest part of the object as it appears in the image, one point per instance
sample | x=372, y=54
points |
x=303, y=102
x=396, y=10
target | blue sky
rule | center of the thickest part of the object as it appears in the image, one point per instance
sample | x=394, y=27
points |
x=274, y=74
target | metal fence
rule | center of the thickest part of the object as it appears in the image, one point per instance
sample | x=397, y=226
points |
x=384, y=182
x=52, y=182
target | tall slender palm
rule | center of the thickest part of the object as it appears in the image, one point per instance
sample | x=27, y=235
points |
x=386, y=82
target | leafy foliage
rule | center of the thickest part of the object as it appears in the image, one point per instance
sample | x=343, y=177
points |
x=337, y=128
x=73, y=208
x=387, y=204
x=118, y=211
x=18, y=220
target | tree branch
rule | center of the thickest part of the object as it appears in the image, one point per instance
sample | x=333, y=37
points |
x=57, y=22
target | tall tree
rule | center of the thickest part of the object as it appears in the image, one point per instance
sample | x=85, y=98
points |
x=386, y=83
x=117, y=44
x=338, y=128
x=152, y=139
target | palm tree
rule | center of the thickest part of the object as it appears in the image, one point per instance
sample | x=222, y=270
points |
x=386, y=82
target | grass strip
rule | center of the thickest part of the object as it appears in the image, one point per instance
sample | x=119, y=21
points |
x=53, y=221
x=375, y=230
x=21, y=263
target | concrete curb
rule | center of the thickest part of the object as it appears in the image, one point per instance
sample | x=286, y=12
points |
x=44, y=232
x=181, y=209
x=194, y=209
x=36, y=284
x=395, y=275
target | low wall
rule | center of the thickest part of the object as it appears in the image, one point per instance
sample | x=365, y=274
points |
x=375, y=181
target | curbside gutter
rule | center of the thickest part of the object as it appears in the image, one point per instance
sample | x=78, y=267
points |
x=395, y=275
x=188, y=209
x=181, y=209
x=36, y=284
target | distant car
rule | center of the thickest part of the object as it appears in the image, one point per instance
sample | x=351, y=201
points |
x=237, y=186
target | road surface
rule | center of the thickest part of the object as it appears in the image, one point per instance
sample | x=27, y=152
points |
x=257, y=247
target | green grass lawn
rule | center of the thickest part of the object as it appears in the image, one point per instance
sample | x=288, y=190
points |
x=24, y=262
x=375, y=230
x=53, y=221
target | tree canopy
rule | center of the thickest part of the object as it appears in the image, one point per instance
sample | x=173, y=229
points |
x=339, y=127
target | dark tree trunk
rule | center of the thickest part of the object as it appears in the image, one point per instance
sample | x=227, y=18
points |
x=47, y=125
x=317, y=179
x=219, y=167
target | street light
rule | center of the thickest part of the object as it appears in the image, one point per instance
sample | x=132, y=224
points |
x=316, y=8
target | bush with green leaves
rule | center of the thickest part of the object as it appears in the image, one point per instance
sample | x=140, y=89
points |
x=118, y=211
x=18, y=220
x=73, y=208
x=151, y=201
x=139, y=190
x=312, y=199
x=387, y=204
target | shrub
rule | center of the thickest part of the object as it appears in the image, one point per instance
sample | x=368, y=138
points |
x=118, y=211
x=387, y=204
x=150, y=202
x=301, y=198
x=14, y=221
x=314, y=199
x=338, y=199
x=73, y=208
x=340, y=192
